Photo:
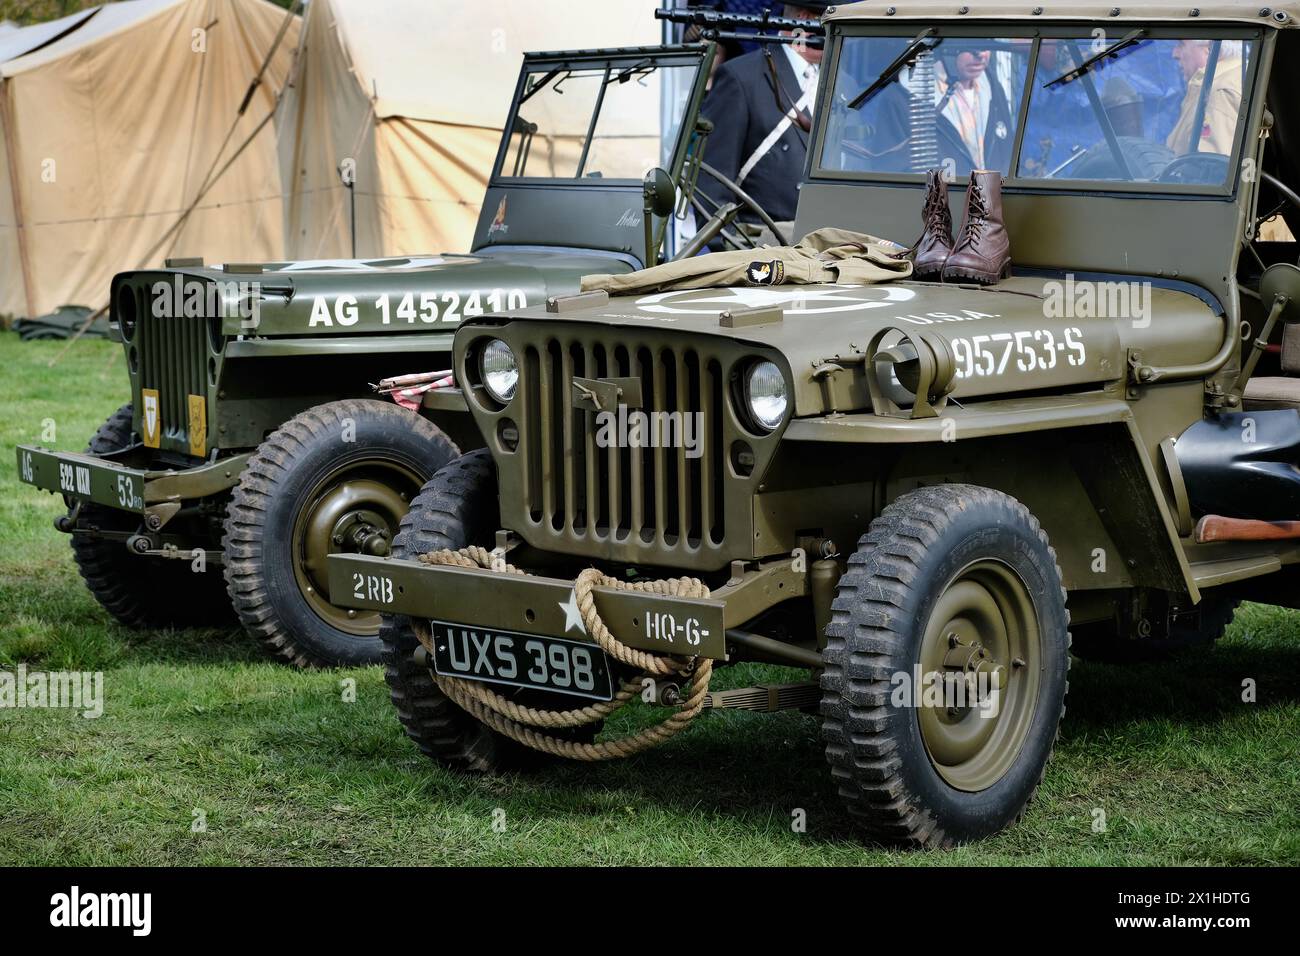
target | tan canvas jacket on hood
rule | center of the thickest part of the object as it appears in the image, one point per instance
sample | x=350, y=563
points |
x=824, y=255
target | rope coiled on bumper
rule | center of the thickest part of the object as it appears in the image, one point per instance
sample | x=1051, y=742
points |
x=521, y=723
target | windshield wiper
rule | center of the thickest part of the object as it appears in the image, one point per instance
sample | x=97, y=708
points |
x=884, y=79
x=1123, y=42
x=541, y=85
x=643, y=68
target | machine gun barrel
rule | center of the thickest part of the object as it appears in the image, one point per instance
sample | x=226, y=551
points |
x=815, y=42
x=716, y=20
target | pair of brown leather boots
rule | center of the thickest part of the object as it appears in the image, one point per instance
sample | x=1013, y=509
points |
x=981, y=251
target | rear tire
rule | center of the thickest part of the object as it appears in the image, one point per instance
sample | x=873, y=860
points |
x=943, y=574
x=335, y=478
x=140, y=591
x=1101, y=641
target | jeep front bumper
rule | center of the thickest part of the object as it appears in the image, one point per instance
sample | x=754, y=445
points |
x=689, y=627
x=154, y=495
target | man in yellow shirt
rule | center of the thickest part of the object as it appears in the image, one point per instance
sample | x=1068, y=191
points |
x=1222, y=106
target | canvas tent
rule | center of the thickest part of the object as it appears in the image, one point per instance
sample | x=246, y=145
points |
x=415, y=93
x=109, y=132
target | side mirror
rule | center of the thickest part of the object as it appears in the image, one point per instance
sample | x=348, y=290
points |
x=1282, y=280
x=660, y=193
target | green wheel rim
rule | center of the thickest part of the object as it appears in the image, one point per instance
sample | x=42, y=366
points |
x=355, y=509
x=982, y=646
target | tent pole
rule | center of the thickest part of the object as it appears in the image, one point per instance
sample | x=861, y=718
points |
x=252, y=86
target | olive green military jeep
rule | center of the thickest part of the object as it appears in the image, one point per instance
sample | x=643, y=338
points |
x=914, y=490
x=253, y=444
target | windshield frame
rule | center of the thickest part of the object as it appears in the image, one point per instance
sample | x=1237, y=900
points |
x=1052, y=30
x=698, y=55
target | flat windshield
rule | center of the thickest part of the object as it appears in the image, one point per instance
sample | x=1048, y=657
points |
x=1146, y=115
x=1159, y=110
x=954, y=106
x=637, y=109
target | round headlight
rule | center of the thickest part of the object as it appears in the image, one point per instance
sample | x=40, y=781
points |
x=766, y=393
x=500, y=371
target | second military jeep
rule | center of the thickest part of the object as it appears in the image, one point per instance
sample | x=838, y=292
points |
x=254, y=446
x=914, y=490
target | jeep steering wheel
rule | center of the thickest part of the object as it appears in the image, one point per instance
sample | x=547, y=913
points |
x=1198, y=168
x=748, y=201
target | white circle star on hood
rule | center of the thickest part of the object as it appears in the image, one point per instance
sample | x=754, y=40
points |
x=796, y=300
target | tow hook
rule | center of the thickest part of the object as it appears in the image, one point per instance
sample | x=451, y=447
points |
x=68, y=522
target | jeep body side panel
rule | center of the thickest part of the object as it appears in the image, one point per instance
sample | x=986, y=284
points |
x=1074, y=461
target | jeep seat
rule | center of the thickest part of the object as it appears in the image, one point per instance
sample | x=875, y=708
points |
x=1267, y=392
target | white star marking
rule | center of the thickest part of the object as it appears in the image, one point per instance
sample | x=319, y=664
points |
x=572, y=617
x=796, y=299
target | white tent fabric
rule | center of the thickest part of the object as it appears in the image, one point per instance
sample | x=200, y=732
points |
x=415, y=93
x=109, y=133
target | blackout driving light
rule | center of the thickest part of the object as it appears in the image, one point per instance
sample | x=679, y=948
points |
x=500, y=371
x=765, y=392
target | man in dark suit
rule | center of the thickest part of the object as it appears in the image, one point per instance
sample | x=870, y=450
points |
x=761, y=106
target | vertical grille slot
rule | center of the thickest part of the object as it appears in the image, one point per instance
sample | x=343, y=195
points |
x=568, y=434
x=647, y=494
x=715, y=452
x=651, y=493
x=535, y=399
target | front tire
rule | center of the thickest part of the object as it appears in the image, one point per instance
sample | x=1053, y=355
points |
x=457, y=508
x=336, y=478
x=949, y=580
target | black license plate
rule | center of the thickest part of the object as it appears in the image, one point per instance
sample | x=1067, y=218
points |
x=521, y=660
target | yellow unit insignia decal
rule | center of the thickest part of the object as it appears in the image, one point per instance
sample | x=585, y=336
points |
x=151, y=417
x=198, y=426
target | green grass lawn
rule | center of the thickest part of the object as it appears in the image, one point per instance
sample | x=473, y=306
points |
x=283, y=770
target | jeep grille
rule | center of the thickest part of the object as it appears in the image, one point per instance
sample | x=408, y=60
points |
x=658, y=496
x=564, y=491
x=170, y=354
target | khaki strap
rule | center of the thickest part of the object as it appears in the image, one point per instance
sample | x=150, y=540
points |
x=774, y=136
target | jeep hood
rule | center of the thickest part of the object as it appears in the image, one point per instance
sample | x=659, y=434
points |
x=415, y=293
x=1025, y=334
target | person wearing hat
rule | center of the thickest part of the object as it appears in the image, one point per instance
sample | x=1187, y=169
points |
x=975, y=123
x=761, y=106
